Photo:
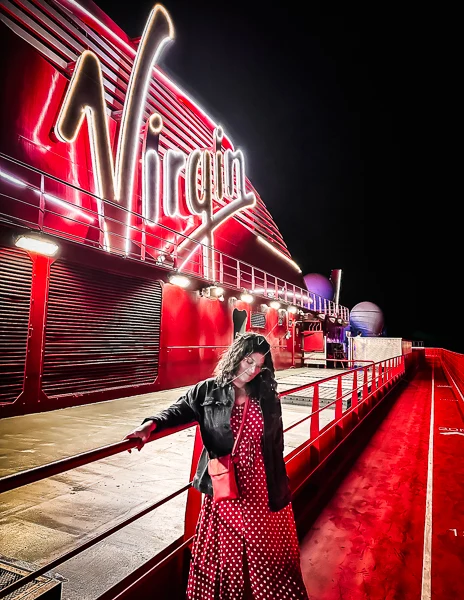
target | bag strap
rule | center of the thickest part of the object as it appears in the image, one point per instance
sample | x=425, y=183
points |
x=247, y=401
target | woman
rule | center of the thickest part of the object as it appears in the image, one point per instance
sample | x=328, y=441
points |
x=248, y=545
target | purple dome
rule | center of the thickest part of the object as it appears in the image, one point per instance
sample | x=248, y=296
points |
x=367, y=318
x=319, y=285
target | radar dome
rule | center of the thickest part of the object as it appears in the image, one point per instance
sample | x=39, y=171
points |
x=366, y=318
x=319, y=285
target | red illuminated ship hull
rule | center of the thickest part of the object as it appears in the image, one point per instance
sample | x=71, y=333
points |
x=108, y=157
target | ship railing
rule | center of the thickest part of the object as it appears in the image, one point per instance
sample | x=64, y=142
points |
x=453, y=367
x=41, y=203
x=339, y=404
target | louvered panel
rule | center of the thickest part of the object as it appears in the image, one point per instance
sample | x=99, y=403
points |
x=15, y=299
x=266, y=215
x=102, y=331
x=79, y=30
x=258, y=320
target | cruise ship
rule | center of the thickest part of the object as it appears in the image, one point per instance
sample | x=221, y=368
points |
x=133, y=249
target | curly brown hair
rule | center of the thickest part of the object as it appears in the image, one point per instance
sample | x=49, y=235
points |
x=244, y=345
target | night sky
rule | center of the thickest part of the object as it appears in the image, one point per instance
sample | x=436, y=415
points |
x=324, y=102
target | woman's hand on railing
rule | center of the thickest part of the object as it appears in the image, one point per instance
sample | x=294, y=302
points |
x=142, y=434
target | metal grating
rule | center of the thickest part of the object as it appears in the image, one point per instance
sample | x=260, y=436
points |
x=15, y=299
x=102, y=332
x=258, y=320
x=40, y=587
x=9, y=577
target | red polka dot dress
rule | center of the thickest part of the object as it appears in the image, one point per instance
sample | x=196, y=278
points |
x=240, y=543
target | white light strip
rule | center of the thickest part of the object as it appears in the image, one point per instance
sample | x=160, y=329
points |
x=66, y=205
x=279, y=253
x=181, y=268
x=426, y=588
x=12, y=179
x=63, y=203
x=44, y=111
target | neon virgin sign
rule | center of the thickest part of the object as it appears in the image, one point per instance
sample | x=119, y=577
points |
x=205, y=170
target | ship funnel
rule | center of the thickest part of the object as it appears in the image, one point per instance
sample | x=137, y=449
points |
x=336, y=279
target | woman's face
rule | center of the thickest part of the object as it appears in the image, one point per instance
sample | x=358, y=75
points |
x=248, y=368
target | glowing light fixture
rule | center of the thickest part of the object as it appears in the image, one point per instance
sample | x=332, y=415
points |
x=246, y=297
x=213, y=291
x=179, y=280
x=216, y=290
x=292, y=309
x=37, y=245
x=275, y=304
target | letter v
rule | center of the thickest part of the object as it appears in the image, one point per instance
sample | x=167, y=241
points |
x=85, y=97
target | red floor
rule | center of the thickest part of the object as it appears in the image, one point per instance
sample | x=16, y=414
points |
x=368, y=543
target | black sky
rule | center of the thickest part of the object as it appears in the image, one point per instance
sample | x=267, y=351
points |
x=324, y=101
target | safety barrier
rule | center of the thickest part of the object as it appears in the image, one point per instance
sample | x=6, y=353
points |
x=453, y=366
x=350, y=396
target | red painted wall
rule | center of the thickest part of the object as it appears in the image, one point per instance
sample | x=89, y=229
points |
x=194, y=330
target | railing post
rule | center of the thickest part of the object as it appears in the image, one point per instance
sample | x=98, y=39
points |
x=201, y=262
x=252, y=279
x=354, y=393
x=174, y=253
x=314, y=427
x=374, y=381
x=143, y=249
x=238, y=275
x=365, y=392
x=41, y=202
x=339, y=410
x=221, y=268
x=265, y=284
x=193, y=504
x=314, y=454
x=339, y=400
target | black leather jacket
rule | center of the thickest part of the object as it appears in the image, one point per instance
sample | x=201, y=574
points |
x=210, y=405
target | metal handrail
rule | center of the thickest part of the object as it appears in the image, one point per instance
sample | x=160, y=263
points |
x=14, y=481
x=22, y=478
